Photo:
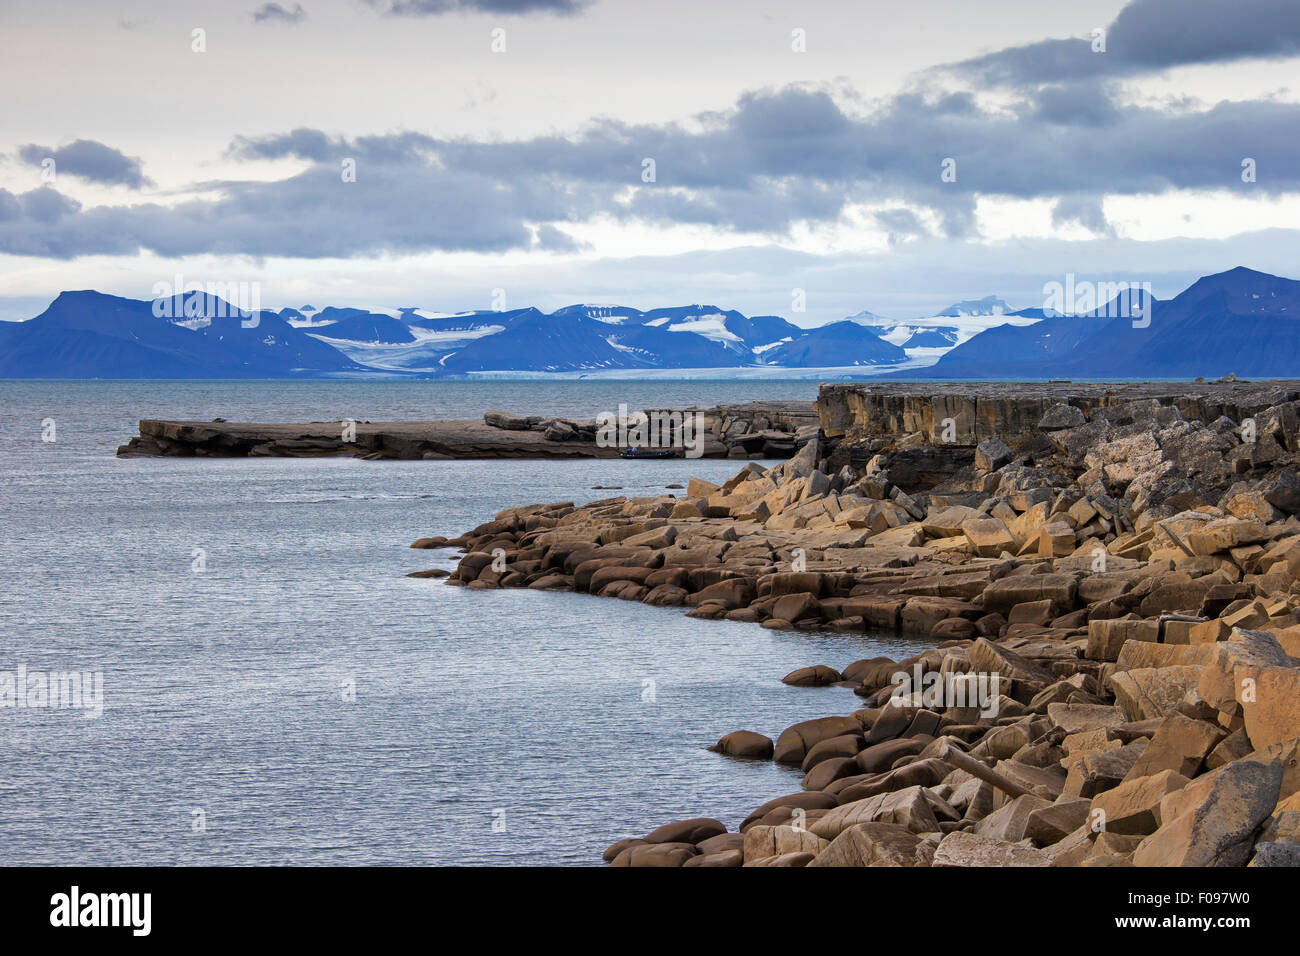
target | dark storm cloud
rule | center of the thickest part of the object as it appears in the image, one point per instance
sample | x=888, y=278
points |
x=1153, y=35
x=433, y=8
x=777, y=159
x=274, y=13
x=91, y=161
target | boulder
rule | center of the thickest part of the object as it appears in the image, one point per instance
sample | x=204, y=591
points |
x=795, y=741
x=818, y=675
x=796, y=607
x=989, y=536
x=1244, y=654
x=947, y=522
x=1210, y=822
x=1061, y=416
x=989, y=658
x=1010, y=821
x=722, y=858
x=1133, y=807
x=845, y=745
x=1181, y=744
x=804, y=800
x=1147, y=692
x=686, y=831
x=1097, y=771
x=873, y=844
x=744, y=743
x=910, y=808
x=1053, y=823
x=785, y=860
x=764, y=841
x=991, y=454
x=1005, y=593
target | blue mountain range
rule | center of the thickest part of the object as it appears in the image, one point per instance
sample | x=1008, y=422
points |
x=1239, y=321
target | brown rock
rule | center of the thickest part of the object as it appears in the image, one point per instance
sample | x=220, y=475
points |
x=795, y=741
x=1133, y=806
x=872, y=844
x=1147, y=692
x=744, y=743
x=686, y=831
x=796, y=607
x=819, y=675
x=764, y=841
x=1210, y=822
x=804, y=800
x=1180, y=744
x=910, y=808
x=1052, y=824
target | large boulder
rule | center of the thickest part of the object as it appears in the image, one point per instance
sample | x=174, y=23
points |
x=818, y=675
x=686, y=831
x=796, y=740
x=1243, y=655
x=1062, y=416
x=989, y=536
x=910, y=808
x=1148, y=692
x=1180, y=744
x=991, y=454
x=1133, y=807
x=947, y=522
x=1210, y=822
x=744, y=743
x=874, y=844
x=989, y=658
x=764, y=841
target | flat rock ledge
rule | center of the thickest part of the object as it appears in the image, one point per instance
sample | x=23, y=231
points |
x=756, y=430
x=1112, y=601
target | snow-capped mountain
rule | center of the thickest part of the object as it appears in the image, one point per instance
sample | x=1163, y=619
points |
x=1240, y=321
x=92, y=335
x=925, y=339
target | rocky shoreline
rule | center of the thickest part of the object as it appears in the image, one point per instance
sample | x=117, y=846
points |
x=1110, y=576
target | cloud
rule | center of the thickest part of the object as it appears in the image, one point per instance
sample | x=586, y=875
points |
x=91, y=161
x=1086, y=211
x=434, y=8
x=901, y=224
x=776, y=160
x=274, y=13
x=1149, y=36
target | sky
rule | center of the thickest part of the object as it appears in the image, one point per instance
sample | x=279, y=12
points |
x=757, y=155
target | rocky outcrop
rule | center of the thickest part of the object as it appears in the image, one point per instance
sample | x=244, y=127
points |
x=769, y=430
x=1114, y=609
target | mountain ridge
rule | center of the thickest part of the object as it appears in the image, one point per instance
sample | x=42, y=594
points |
x=1241, y=321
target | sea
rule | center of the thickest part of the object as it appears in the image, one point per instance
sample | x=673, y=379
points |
x=261, y=683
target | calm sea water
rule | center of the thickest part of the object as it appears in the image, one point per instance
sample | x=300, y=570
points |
x=292, y=698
